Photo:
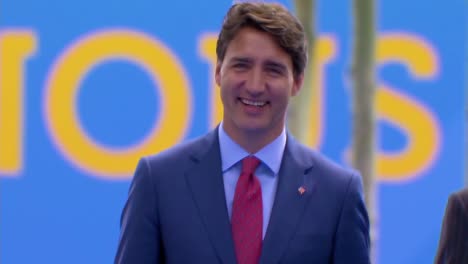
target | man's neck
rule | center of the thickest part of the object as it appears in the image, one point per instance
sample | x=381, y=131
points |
x=255, y=140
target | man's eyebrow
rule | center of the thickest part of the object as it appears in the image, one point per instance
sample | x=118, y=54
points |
x=241, y=59
x=276, y=64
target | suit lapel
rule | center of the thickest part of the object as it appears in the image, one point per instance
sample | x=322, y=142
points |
x=205, y=180
x=289, y=202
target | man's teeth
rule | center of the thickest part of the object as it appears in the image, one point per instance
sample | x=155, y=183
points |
x=253, y=103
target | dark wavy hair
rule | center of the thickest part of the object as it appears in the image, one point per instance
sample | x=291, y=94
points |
x=272, y=18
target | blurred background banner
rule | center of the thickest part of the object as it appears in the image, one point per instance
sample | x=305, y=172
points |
x=88, y=87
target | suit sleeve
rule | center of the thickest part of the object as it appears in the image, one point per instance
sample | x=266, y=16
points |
x=453, y=243
x=140, y=236
x=352, y=243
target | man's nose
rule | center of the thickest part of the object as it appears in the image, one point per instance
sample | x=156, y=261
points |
x=255, y=83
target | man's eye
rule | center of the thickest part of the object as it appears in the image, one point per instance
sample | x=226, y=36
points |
x=274, y=70
x=240, y=65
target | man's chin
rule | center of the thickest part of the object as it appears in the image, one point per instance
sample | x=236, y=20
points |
x=253, y=127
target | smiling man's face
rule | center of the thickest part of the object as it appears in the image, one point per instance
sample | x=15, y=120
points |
x=257, y=80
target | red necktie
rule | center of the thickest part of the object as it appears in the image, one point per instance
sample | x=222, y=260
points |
x=247, y=214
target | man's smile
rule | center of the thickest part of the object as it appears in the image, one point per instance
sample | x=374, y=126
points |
x=251, y=102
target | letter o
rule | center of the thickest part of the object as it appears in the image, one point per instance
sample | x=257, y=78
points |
x=64, y=82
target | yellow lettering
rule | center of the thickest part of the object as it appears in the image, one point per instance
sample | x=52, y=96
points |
x=416, y=120
x=325, y=53
x=64, y=81
x=15, y=47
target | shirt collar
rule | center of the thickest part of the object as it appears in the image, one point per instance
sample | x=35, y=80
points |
x=270, y=155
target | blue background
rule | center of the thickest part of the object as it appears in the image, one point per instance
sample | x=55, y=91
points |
x=53, y=212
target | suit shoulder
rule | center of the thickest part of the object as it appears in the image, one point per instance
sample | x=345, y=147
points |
x=462, y=194
x=461, y=197
x=331, y=176
x=182, y=152
x=326, y=165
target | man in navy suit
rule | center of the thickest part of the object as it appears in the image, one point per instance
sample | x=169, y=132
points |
x=453, y=244
x=247, y=192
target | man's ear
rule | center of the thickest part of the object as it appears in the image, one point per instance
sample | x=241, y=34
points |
x=218, y=73
x=297, y=85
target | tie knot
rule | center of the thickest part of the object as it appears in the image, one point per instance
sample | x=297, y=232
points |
x=250, y=164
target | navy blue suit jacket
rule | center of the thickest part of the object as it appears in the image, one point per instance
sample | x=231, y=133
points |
x=176, y=210
x=453, y=244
